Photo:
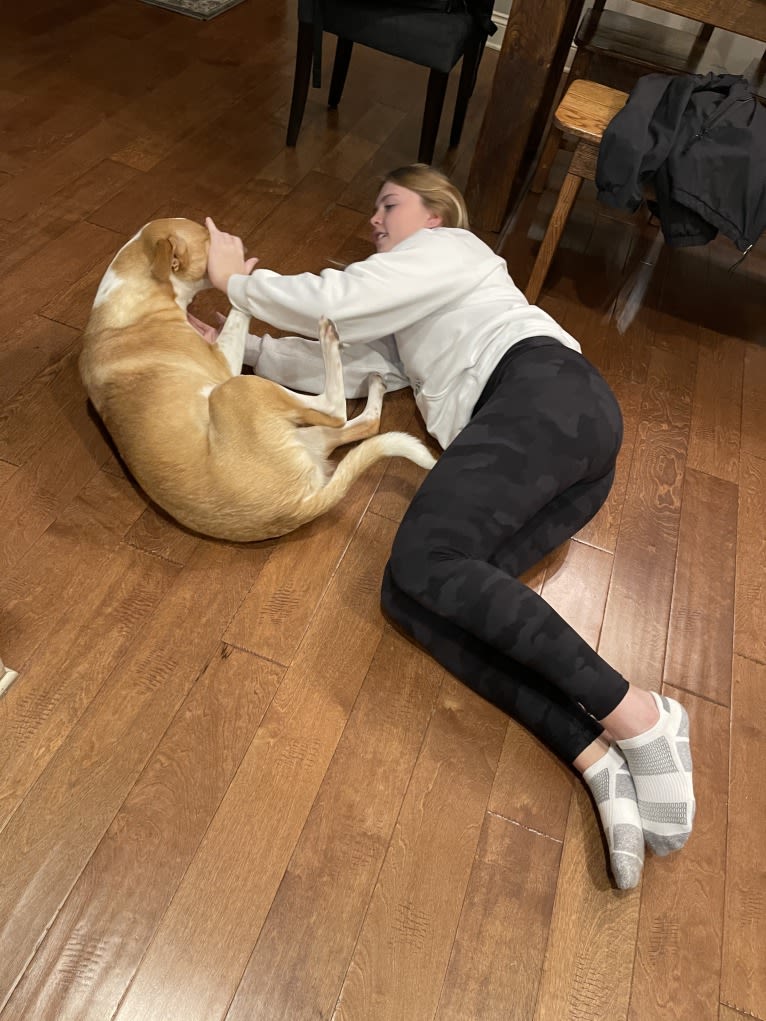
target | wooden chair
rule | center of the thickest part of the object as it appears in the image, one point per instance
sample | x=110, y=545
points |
x=434, y=38
x=584, y=113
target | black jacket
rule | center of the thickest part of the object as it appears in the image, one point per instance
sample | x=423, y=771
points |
x=700, y=140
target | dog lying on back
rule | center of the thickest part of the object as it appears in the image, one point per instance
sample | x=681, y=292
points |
x=231, y=456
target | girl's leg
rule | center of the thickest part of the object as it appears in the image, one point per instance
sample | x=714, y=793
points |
x=546, y=436
x=546, y=712
x=521, y=472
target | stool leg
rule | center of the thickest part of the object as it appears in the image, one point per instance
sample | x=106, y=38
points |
x=549, y=244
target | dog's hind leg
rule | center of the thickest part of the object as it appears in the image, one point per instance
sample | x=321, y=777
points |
x=366, y=423
x=331, y=403
x=231, y=339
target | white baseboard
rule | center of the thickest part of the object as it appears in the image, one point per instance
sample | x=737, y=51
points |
x=496, y=41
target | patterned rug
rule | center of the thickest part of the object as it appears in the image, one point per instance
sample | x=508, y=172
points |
x=202, y=9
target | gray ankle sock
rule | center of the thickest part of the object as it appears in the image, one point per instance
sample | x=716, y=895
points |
x=612, y=786
x=661, y=764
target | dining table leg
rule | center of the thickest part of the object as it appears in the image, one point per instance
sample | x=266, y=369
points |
x=531, y=62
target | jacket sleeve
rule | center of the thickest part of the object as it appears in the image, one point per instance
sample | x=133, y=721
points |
x=638, y=139
x=297, y=363
x=387, y=292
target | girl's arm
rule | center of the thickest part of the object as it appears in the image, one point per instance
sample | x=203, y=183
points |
x=374, y=298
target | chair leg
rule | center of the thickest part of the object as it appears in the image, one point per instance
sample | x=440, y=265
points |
x=468, y=72
x=549, y=244
x=303, y=59
x=343, y=49
x=437, y=89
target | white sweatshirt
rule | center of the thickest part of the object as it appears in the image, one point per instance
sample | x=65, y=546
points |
x=436, y=312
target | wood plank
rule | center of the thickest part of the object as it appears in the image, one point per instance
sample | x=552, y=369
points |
x=48, y=482
x=497, y=959
x=714, y=438
x=634, y=634
x=59, y=211
x=63, y=165
x=677, y=969
x=310, y=930
x=589, y=958
x=743, y=982
x=123, y=590
x=403, y=949
x=754, y=401
x=156, y=533
x=128, y=883
x=37, y=347
x=750, y=593
x=273, y=619
x=699, y=651
x=46, y=582
x=31, y=418
x=7, y=470
x=54, y=832
x=38, y=278
x=231, y=883
x=726, y=1013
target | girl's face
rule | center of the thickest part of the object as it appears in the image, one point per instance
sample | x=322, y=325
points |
x=399, y=213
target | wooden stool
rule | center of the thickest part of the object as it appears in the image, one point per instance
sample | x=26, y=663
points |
x=584, y=112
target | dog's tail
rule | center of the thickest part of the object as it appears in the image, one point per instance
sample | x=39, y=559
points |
x=357, y=460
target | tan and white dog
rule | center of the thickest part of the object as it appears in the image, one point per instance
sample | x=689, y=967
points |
x=231, y=456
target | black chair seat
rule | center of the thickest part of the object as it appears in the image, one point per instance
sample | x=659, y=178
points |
x=431, y=38
x=428, y=38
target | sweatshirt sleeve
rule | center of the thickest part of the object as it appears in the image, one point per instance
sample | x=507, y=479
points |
x=297, y=363
x=387, y=292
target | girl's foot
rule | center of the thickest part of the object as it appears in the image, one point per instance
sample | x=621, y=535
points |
x=660, y=763
x=612, y=787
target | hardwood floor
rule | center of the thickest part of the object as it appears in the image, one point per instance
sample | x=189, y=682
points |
x=228, y=790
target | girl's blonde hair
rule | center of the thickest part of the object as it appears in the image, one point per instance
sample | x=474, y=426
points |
x=439, y=194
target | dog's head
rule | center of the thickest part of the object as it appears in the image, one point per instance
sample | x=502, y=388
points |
x=177, y=248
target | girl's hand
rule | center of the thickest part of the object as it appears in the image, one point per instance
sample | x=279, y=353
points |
x=226, y=257
x=208, y=333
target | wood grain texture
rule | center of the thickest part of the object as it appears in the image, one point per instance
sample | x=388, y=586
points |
x=714, y=437
x=754, y=402
x=682, y=898
x=743, y=982
x=51, y=837
x=635, y=624
x=403, y=948
x=750, y=594
x=499, y=947
x=589, y=957
x=310, y=929
x=247, y=849
x=702, y=611
x=117, y=901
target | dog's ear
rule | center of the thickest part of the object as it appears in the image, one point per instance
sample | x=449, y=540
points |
x=163, y=259
x=169, y=254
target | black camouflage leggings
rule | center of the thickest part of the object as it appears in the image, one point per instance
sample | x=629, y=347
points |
x=532, y=466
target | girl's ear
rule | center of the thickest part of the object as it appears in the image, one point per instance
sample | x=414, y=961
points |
x=434, y=221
